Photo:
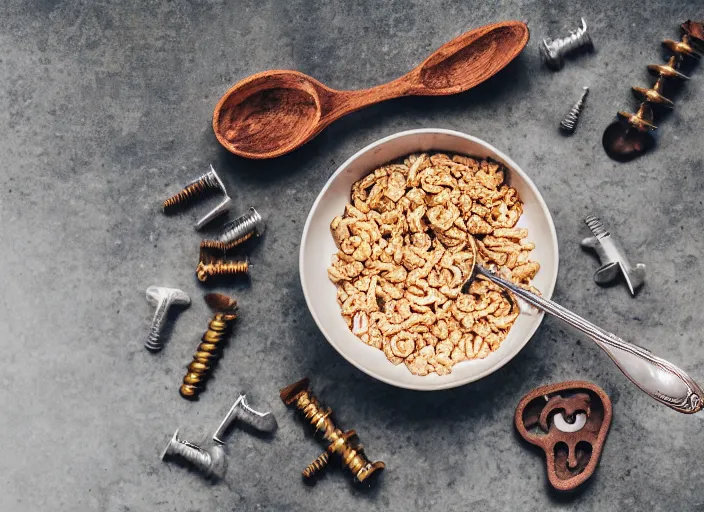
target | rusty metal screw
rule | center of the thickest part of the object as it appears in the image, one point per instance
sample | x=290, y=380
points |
x=212, y=268
x=343, y=444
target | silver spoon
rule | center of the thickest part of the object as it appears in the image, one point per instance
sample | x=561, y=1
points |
x=661, y=379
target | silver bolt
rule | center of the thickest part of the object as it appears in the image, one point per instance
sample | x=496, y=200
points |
x=553, y=52
x=211, y=461
x=250, y=222
x=163, y=298
x=240, y=410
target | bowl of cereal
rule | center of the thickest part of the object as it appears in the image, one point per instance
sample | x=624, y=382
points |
x=390, y=242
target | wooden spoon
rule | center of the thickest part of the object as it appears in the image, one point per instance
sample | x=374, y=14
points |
x=274, y=112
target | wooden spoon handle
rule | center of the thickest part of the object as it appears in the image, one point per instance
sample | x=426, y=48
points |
x=456, y=66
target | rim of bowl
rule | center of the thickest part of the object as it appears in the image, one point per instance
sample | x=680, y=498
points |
x=547, y=293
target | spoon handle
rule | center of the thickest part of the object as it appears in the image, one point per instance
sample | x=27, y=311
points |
x=662, y=380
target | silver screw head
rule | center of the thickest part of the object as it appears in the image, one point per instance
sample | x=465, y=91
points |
x=163, y=298
x=168, y=451
x=550, y=56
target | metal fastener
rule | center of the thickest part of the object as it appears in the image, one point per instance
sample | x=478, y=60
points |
x=569, y=124
x=345, y=445
x=238, y=231
x=210, y=461
x=209, y=181
x=163, y=298
x=553, y=52
x=612, y=256
x=208, y=351
x=241, y=411
x=210, y=265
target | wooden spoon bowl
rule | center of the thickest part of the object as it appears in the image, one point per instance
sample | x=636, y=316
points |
x=274, y=112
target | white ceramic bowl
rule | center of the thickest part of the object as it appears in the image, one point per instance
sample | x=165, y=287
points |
x=317, y=248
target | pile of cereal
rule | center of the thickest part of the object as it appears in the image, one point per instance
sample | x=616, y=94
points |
x=406, y=246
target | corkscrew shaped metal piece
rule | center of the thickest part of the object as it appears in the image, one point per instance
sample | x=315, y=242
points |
x=210, y=348
x=163, y=298
x=612, y=256
x=210, y=265
x=208, y=182
x=631, y=135
x=210, y=461
x=242, y=412
x=553, y=52
x=569, y=124
x=237, y=232
x=344, y=445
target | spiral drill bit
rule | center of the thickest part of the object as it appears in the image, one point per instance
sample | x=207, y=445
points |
x=237, y=232
x=632, y=134
x=344, y=445
x=569, y=124
x=210, y=266
x=209, y=349
x=199, y=187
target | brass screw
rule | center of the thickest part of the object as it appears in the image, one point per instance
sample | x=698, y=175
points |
x=209, y=349
x=343, y=444
x=210, y=265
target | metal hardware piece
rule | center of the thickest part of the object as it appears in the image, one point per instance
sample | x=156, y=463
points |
x=241, y=411
x=238, y=231
x=163, y=298
x=612, y=256
x=631, y=134
x=343, y=444
x=569, y=124
x=210, y=265
x=553, y=52
x=209, y=349
x=209, y=181
x=210, y=461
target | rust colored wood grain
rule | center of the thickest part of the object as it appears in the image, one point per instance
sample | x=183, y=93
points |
x=274, y=112
x=571, y=457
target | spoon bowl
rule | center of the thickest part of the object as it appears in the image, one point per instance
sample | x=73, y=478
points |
x=273, y=109
x=274, y=112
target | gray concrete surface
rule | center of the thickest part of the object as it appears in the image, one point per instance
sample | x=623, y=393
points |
x=106, y=109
